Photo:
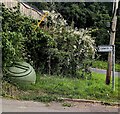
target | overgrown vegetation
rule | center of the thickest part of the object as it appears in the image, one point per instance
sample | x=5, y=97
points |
x=94, y=15
x=52, y=88
x=53, y=49
x=56, y=49
x=12, y=47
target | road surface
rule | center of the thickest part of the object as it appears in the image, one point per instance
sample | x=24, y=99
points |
x=103, y=71
x=30, y=106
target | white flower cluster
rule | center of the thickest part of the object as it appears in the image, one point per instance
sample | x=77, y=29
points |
x=57, y=18
x=85, y=42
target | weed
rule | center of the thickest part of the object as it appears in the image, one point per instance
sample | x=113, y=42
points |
x=65, y=104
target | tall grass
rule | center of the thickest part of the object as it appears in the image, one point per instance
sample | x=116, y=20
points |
x=49, y=88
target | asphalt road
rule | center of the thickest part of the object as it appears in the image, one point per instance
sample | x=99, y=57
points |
x=103, y=71
x=30, y=106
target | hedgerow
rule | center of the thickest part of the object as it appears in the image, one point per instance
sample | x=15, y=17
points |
x=53, y=49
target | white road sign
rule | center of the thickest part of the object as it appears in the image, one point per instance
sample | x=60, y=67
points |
x=103, y=48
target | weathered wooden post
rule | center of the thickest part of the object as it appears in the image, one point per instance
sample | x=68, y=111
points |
x=112, y=40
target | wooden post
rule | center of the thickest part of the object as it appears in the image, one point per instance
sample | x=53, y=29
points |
x=112, y=41
x=49, y=65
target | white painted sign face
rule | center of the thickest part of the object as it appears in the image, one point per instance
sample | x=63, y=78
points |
x=105, y=48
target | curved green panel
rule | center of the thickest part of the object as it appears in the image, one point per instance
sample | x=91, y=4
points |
x=22, y=72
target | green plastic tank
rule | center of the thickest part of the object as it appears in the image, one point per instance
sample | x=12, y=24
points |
x=21, y=72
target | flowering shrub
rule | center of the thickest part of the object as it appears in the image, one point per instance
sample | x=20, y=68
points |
x=59, y=49
x=71, y=49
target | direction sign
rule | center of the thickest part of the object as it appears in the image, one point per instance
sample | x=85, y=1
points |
x=104, y=48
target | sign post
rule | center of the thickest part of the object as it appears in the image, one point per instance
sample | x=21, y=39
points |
x=105, y=48
x=112, y=39
x=113, y=68
x=111, y=49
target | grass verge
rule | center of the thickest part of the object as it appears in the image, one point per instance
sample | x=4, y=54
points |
x=103, y=65
x=51, y=88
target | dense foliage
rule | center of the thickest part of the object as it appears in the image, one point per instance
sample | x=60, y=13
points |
x=12, y=47
x=94, y=15
x=11, y=38
x=55, y=49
